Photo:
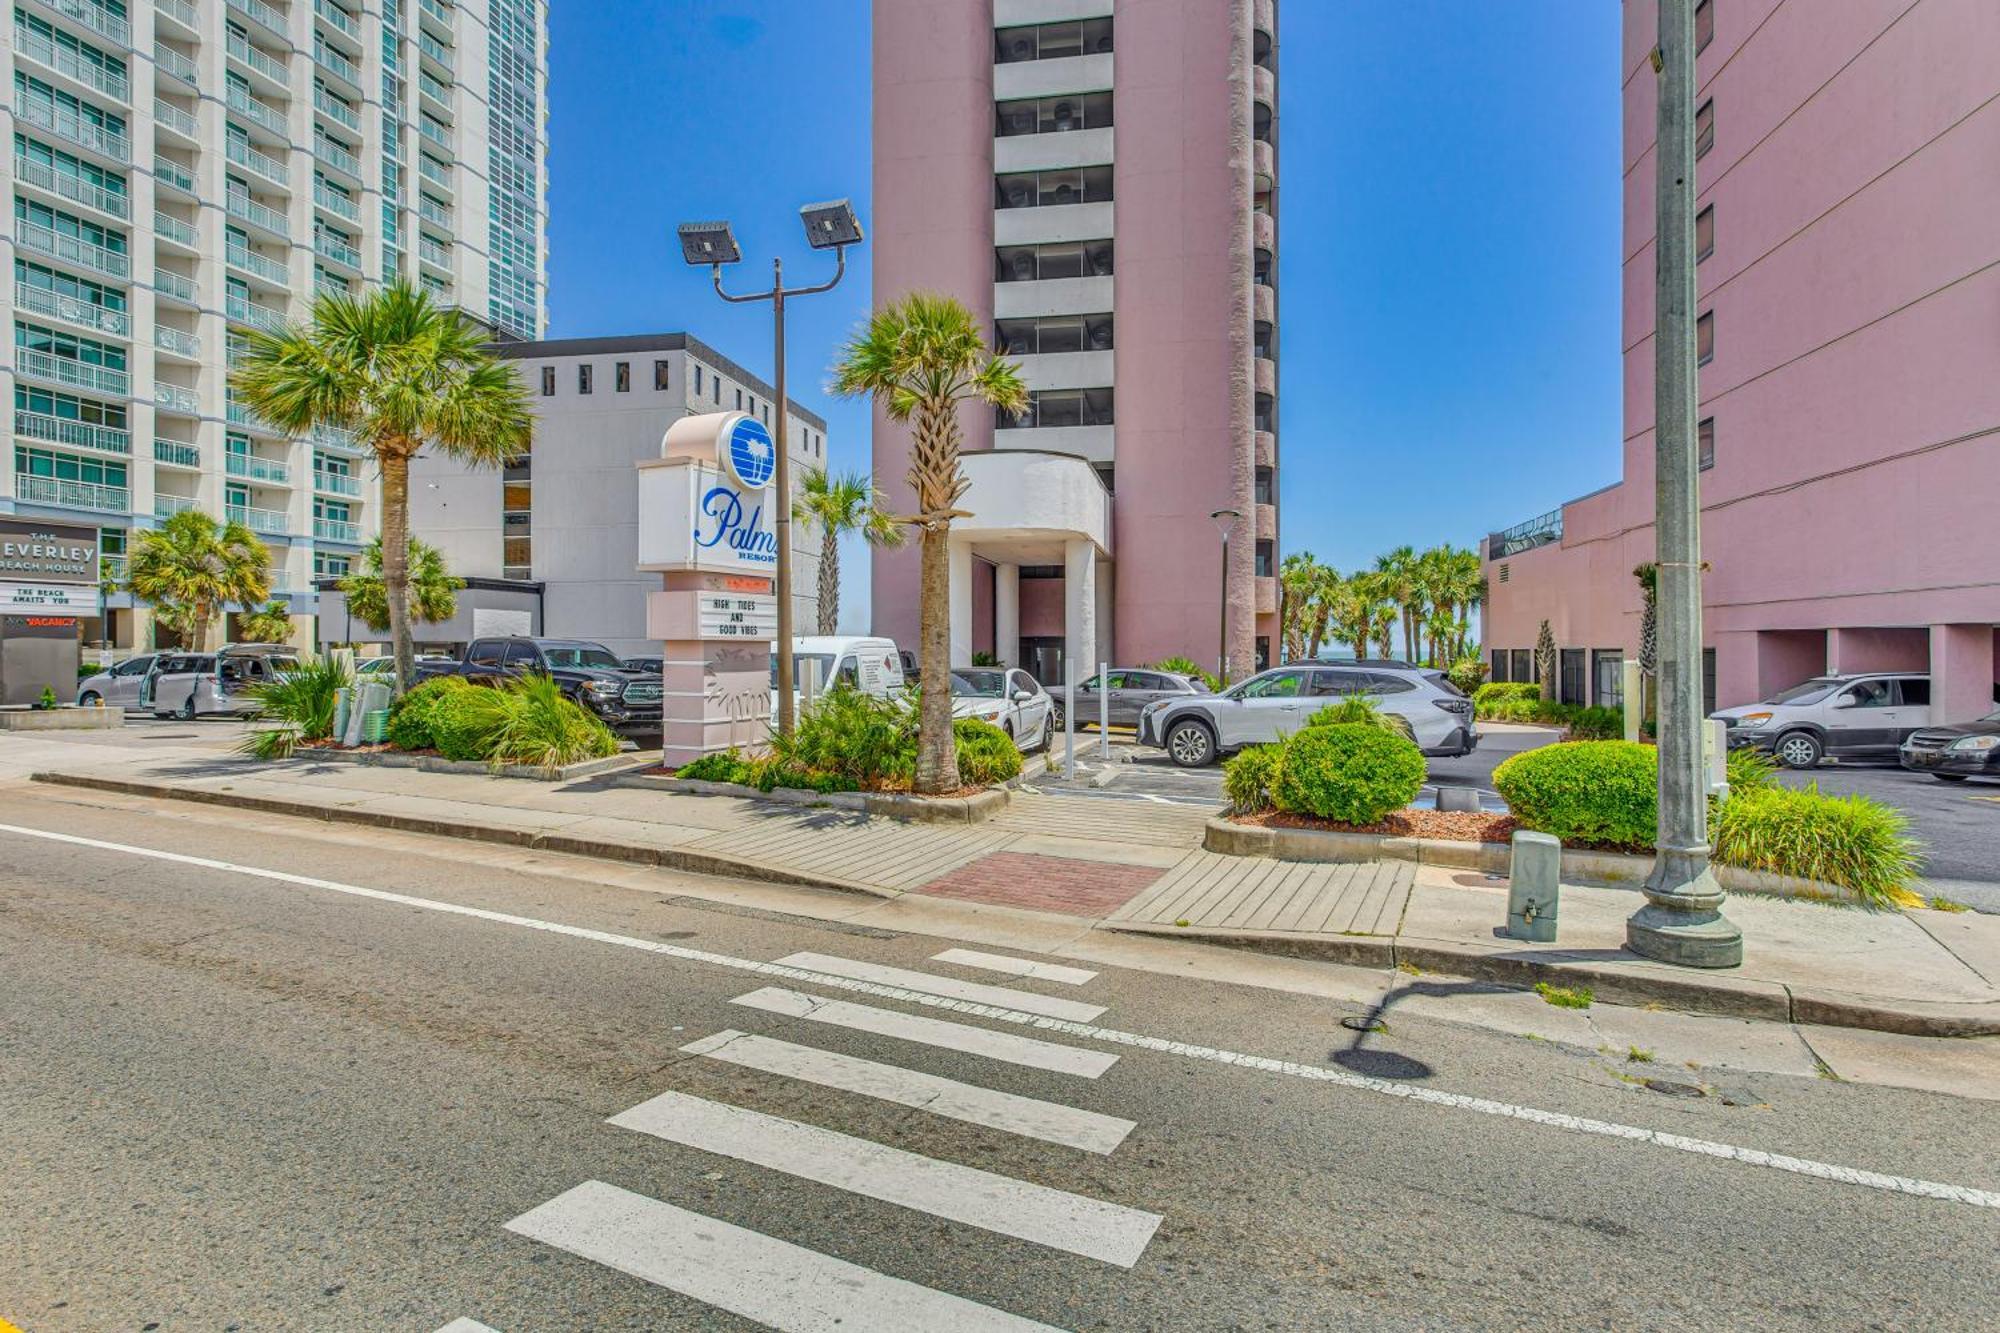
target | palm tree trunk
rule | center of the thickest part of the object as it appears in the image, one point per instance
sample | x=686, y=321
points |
x=1409, y=632
x=395, y=466
x=198, y=630
x=829, y=580
x=937, y=748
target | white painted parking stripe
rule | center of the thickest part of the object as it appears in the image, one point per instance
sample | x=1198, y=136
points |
x=1055, y=1218
x=467, y=1326
x=950, y=987
x=1015, y=967
x=771, y=1281
x=1876, y=1180
x=1051, y=1122
x=1005, y=1046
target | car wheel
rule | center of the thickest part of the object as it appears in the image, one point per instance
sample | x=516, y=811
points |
x=1055, y=713
x=1949, y=777
x=88, y=699
x=1189, y=745
x=1048, y=736
x=187, y=709
x=1799, y=749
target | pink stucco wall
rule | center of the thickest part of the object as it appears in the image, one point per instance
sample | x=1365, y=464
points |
x=1855, y=287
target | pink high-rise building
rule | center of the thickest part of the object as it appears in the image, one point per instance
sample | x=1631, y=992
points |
x=1849, y=325
x=1097, y=181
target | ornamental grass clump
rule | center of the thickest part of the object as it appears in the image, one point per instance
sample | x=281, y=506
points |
x=1351, y=772
x=864, y=739
x=1587, y=793
x=538, y=726
x=300, y=702
x=1850, y=841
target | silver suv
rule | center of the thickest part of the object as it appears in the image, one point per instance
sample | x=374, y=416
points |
x=1861, y=716
x=1198, y=729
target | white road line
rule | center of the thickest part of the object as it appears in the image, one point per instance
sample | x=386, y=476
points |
x=771, y=1281
x=1926, y=1189
x=949, y=987
x=1005, y=1046
x=1051, y=1122
x=1015, y=967
x=467, y=1326
x=1055, y=1218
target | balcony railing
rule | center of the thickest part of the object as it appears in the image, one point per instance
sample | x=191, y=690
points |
x=435, y=89
x=178, y=286
x=334, y=62
x=326, y=286
x=166, y=506
x=262, y=215
x=431, y=252
x=337, y=204
x=111, y=82
x=279, y=579
x=270, y=270
x=435, y=49
x=433, y=212
x=177, y=398
x=436, y=9
x=72, y=494
x=177, y=341
x=258, y=469
x=243, y=155
x=74, y=434
x=433, y=170
x=259, y=112
x=173, y=63
x=435, y=132
x=338, y=17
x=180, y=122
x=180, y=11
x=1541, y=531
x=331, y=153
x=66, y=124
x=332, y=437
x=173, y=173
x=245, y=311
x=41, y=301
x=74, y=188
x=96, y=18
x=337, y=530
x=339, y=110
x=73, y=249
x=77, y=374
x=176, y=453
x=174, y=229
x=338, y=251
x=273, y=521
x=261, y=12
x=336, y=483
x=270, y=66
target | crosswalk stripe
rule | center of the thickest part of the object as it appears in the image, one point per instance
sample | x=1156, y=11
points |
x=1052, y=1122
x=759, y=1277
x=1015, y=967
x=1005, y=1046
x=467, y=1326
x=1056, y=1218
x=950, y=987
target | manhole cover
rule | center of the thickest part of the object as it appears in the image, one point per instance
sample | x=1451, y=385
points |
x=1672, y=1089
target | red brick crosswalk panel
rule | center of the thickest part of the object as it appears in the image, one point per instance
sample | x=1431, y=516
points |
x=1045, y=883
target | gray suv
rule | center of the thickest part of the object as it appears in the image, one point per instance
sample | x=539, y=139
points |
x=1124, y=692
x=1274, y=704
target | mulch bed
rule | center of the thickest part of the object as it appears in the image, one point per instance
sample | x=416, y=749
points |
x=665, y=772
x=1448, y=826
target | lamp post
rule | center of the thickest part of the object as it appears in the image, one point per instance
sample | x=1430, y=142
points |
x=1682, y=921
x=829, y=226
x=1225, y=519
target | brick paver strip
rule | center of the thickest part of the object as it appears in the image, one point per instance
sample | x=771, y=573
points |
x=1045, y=883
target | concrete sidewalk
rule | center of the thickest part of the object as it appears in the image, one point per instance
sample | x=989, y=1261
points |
x=1139, y=868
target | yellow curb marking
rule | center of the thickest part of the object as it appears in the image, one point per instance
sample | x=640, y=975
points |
x=6, y=1327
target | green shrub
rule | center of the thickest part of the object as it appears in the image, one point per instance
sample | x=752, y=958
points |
x=1500, y=691
x=721, y=766
x=1359, y=709
x=300, y=700
x=1851, y=841
x=1351, y=772
x=1249, y=775
x=986, y=754
x=773, y=772
x=1186, y=666
x=1468, y=673
x=410, y=717
x=541, y=727
x=1594, y=724
x=866, y=740
x=1587, y=793
x=463, y=723
x=1750, y=770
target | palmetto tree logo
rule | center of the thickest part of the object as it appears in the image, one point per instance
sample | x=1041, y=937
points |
x=749, y=454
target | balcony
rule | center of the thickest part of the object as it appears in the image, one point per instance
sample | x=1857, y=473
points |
x=1264, y=161
x=333, y=155
x=338, y=19
x=338, y=440
x=434, y=49
x=166, y=506
x=243, y=310
x=1015, y=80
x=76, y=190
x=1264, y=303
x=273, y=271
x=169, y=117
x=259, y=12
x=335, y=110
x=1267, y=522
x=174, y=285
x=1265, y=372
x=243, y=155
x=263, y=216
x=271, y=471
x=176, y=398
x=70, y=310
x=111, y=83
x=71, y=434
x=72, y=494
x=71, y=249
x=1267, y=595
x=337, y=204
x=434, y=254
x=177, y=342
x=273, y=522
x=336, y=483
x=176, y=65
x=258, y=61
x=1054, y=152
x=41, y=365
x=96, y=18
x=433, y=212
x=435, y=132
x=181, y=12
x=1055, y=223
x=433, y=170
x=171, y=173
x=336, y=64
x=435, y=9
x=330, y=247
x=67, y=125
x=1264, y=85
x=170, y=228
x=257, y=112
x=337, y=530
x=1264, y=231
x=435, y=89
x=177, y=453
x=1265, y=448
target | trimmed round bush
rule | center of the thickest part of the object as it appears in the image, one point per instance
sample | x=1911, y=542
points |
x=1249, y=775
x=1588, y=793
x=410, y=717
x=1350, y=771
x=465, y=722
x=1851, y=841
x=986, y=754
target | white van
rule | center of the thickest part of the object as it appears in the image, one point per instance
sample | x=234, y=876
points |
x=870, y=665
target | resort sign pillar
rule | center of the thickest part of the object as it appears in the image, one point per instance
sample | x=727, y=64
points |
x=1682, y=921
x=706, y=509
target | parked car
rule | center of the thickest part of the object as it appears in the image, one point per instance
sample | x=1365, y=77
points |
x=1008, y=698
x=627, y=701
x=652, y=664
x=218, y=684
x=118, y=687
x=386, y=666
x=1272, y=705
x=1864, y=715
x=1130, y=690
x=1957, y=751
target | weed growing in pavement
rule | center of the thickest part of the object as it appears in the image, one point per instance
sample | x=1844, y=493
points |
x=1639, y=1055
x=1408, y=968
x=1940, y=903
x=1565, y=997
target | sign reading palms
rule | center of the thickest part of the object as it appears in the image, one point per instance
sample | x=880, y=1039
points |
x=919, y=358
x=403, y=375
x=837, y=504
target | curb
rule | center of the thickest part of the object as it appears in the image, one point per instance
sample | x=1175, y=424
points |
x=428, y=763
x=972, y=809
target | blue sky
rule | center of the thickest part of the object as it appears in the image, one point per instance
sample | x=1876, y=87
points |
x=1449, y=223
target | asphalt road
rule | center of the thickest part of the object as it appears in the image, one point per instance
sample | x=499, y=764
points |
x=234, y=1101
x=1958, y=823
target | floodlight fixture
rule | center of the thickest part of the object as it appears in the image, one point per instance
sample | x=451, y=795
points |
x=709, y=243
x=831, y=225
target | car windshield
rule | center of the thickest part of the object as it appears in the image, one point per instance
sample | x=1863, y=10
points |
x=589, y=655
x=979, y=684
x=1809, y=693
x=824, y=661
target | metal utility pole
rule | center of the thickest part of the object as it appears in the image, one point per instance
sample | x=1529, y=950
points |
x=1225, y=519
x=1682, y=921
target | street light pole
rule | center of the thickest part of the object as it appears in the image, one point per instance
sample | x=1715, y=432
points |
x=1682, y=921
x=1224, y=519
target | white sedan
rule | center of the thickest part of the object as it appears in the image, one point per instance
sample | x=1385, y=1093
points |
x=1010, y=699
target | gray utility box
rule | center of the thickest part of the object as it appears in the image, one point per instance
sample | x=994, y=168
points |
x=38, y=652
x=1534, y=888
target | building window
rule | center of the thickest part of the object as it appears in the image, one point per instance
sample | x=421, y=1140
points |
x=739, y=400
x=1054, y=333
x=583, y=379
x=1266, y=487
x=753, y=404
x=1035, y=263
x=1499, y=670
x=1571, y=689
x=767, y=414
x=1704, y=24
x=1704, y=338
x=548, y=381
x=1061, y=407
x=697, y=381
x=1704, y=233
x=1265, y=562
x=715, y=389
x=1523, y=665
x=1708, y=682
x=1704, y=129
x=660, y=375
x=1705, y=443
x=1052, y=189
x=1053, y=115
x=621, y=377
x=1608, y=675
x=1052, y=41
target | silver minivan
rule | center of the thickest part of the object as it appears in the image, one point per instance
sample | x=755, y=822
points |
x=119, y=687
x=1864, y=715
x=220, y=684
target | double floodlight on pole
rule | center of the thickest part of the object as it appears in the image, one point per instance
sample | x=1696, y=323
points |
x=1225, y=519
x=829, y=226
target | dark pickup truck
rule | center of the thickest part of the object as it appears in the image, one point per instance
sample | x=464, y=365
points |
x=627, y=701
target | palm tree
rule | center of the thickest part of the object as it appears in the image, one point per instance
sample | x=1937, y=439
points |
x=433, y=591
x=919, y=358
x=1299, y=578
x=197, y=566
x=402, y=374
x=270, y=623
x=1329, y=590
x=1370, y=613
x=837, y=504
x=1398, y=569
